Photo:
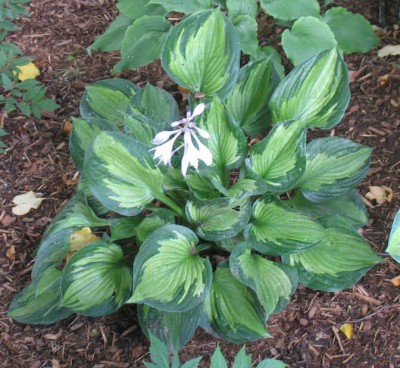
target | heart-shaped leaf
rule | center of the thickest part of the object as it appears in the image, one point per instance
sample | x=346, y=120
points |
x=82, y=133
x=227, y=142
x=168, y=273
x=143, y=42
x=277, y=230
x=202, y=54
x=121, y=173
x=232, y=310
x=219, y=218
x=334, y=167
x=111, y=39
x=272, y=282
x=280, y=158
x=39, y=303
x=57, y=241
x=352, y=31
x=107, y=99
x=248, y=102
x=307, y=38
x=315, y=92
x=349, y=206
x=158, y=106
x=338, y=262
x=96, y=281
x=157, y=219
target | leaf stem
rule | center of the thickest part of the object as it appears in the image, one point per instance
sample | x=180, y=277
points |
x=174, y=206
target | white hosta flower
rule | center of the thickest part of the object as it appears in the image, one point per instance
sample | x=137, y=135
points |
x=193, y=149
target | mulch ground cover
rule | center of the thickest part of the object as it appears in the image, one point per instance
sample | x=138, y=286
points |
x=306, y=333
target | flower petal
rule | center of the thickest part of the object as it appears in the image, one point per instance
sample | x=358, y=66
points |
x=199, y=109
x=204, y=154
x=163, y=136
x=190, y=153
x=164, y=152
x=202, y=132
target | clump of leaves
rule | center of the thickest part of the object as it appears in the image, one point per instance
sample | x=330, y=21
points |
x=192, y=222
x=162, y=359
x=141, y=28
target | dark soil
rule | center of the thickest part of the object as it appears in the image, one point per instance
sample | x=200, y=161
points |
x=305, y=334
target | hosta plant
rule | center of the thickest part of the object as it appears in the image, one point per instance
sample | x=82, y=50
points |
x=141, y=28
x=214, y=218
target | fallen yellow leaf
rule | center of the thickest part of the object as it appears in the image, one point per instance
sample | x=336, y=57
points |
x=395, y=281
x=25, y=202
x=347, y=329
x=67, y=127
x=380, y=194
x=11, y=253
x=82, y=237
x=28, y=71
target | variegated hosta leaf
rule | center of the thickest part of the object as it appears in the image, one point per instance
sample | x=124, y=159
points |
x=107, y=99
x=174, y=329
x=157, y=105
x=289, y=9
x=315, y=92
x=121, y=173
x=202, y=53
x=96, y=280
x=334, y=167
x=157, y=219
x=58, y=238
x=272, y=282
x=247, y=187
x=82, y=133
x=349, y=206
x=186, y=7
x=227, y=142
x=248, y=102
x=39, y=303
x=76, y=214
x=308, y=37
x=202, y=186
x=219, y=218
x=280, y=230
x=394, y=239
x=168, y=273
x=139, y=127
x=124, y=227
x=280, y=158
x=232, y=310
x=143, y=42
x=338, y=262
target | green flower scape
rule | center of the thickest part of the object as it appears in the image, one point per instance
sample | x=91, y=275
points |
x=225, y=244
